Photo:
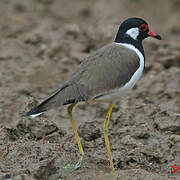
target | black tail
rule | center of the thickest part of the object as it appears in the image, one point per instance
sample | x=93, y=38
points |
x=44, y=106
x=35, y=111
x=66, y=95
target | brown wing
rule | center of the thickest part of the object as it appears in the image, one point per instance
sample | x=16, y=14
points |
x=110, y=67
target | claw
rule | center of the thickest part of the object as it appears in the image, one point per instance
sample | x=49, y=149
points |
x=79, y=163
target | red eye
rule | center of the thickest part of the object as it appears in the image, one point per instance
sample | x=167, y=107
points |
x=143, y=27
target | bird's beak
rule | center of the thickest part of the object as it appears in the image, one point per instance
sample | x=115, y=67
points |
x=154, y=35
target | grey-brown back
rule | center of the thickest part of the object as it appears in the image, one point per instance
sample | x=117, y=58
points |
x=108, y=68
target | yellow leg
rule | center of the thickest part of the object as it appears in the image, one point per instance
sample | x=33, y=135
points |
x=69, y=111
x=105, y=130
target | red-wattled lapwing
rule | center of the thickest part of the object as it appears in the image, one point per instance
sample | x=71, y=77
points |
x=104, y=76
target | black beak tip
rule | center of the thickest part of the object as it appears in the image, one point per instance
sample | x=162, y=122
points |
x=158, y=37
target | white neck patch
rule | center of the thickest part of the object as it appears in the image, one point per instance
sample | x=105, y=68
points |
x=133, y=33
x=139, y=71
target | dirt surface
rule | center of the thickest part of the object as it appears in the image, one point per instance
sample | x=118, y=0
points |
x=41, y=44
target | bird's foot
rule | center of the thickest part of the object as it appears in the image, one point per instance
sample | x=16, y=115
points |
x=79, y=163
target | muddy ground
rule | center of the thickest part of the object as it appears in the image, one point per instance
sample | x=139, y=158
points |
x=41, y=44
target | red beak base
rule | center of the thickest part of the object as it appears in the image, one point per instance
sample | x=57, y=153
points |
x=154, y=35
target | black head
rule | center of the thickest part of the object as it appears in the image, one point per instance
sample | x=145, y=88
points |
x=137, y=29
x=133, y=31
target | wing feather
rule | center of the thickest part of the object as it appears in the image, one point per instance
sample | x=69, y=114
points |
x=108, y=68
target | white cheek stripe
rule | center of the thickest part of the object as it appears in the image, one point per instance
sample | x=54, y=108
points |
x=133, y=33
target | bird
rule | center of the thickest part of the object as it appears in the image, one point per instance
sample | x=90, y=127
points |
x=104, y=76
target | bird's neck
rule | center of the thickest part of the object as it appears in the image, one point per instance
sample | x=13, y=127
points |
x=123, y=38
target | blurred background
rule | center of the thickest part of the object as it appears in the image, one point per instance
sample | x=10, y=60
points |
x=41, y=44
